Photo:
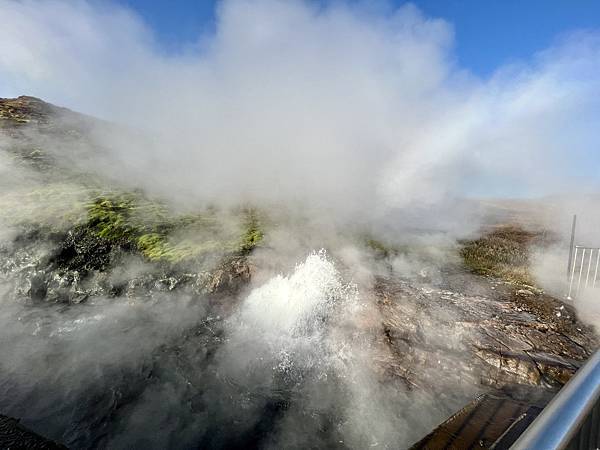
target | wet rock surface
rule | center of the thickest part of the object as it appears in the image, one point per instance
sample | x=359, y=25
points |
x=477, y=334
x=69, y=267
x=453, y=336
x=483, y=331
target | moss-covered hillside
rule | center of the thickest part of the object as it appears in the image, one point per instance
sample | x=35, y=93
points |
x=147, y=227
x=71, y=232
x=504, y=252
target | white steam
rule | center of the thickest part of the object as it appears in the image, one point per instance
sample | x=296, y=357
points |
x=283, y=326
x=358, y=110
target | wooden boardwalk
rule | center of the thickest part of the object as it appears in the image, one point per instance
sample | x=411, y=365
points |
x=488, y=422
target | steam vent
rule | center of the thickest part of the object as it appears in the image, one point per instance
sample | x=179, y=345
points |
x=300, y=224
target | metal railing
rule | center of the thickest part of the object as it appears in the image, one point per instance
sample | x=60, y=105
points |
x=572, y=419
x=583, y=256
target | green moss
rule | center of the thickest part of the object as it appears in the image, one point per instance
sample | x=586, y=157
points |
x=378, y=247
x=110, y=219
x=152, y=245
x=503, y=253
x=156, y=247
x=57, y=205
x=252, y=235
x=146, y=226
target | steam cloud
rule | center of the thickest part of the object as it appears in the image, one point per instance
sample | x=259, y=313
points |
x=363, y=110
x=347, y=111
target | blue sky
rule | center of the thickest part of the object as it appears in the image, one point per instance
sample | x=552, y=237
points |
x=489, y=33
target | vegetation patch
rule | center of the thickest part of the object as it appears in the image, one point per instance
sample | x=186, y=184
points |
x=147, y=226
x=379, y=248
x=111, y=219
x=504, y=253
x=56, y=205
x=253, y=233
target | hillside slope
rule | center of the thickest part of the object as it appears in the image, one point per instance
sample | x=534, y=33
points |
x=134, y=323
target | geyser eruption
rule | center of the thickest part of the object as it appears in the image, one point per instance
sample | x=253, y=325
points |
x=292, y=313
x=282, y=342
x=303, y=347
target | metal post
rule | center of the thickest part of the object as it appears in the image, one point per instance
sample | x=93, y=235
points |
x=587, y=277
x=572, y=264
x=580, y=272
x=572, y=244
x=596, y=271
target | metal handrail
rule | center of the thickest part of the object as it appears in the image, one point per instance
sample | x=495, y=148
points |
x=568, y=418
x=573, y=264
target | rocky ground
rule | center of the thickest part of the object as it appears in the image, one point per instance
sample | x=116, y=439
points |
x=507, y=336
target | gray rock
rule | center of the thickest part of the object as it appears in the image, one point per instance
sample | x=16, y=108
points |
x=524, y=292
